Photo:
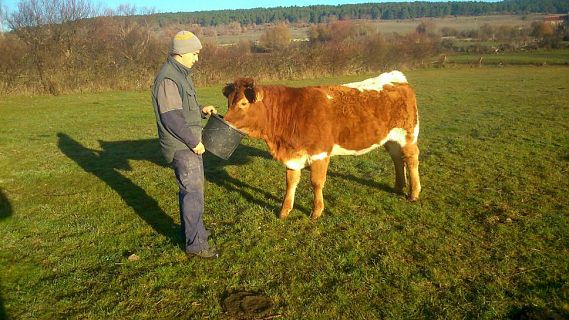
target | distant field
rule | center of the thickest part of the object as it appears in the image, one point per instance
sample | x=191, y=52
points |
x=83, y=187
x=403, y=26
x=458, y=23
x=538, y=57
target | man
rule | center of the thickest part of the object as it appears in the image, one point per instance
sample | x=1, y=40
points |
x=178, y=118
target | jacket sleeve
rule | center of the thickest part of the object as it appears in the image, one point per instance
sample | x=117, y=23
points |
x=171, y=115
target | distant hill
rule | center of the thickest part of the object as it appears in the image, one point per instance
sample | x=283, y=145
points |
x=373, y=11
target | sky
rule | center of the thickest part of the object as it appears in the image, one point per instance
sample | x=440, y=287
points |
x=201, y=5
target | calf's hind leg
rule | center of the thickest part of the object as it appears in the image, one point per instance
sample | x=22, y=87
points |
x=411, y=159
x=318, y=170
x=292, y=180
x=394, y=150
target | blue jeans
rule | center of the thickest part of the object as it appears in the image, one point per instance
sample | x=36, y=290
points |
x=188, y=167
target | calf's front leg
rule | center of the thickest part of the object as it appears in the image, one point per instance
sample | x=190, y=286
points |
x=292, y=179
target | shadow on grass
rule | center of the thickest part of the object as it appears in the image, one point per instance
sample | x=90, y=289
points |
x=363, y=181
x=537, y=313
x=116, y=154
x=214, y=167
x=216, y=173
x=104, y=165
x=5, y=207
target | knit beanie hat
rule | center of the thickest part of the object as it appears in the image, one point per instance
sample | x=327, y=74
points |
x=185, y=42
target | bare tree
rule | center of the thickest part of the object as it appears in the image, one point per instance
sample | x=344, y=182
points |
x=2, y=18
x=426, y=28
x=133, y=31
x=276, y=38
x=48, y=28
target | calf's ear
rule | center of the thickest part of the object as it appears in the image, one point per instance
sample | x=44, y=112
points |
x=252, y=92
x=228, y=89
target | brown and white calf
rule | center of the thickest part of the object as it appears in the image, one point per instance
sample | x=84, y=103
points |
x=306, y=126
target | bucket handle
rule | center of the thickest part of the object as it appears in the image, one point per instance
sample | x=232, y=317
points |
x=215, y=115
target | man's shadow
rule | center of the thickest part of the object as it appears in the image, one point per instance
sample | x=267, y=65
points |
x=116, y=154
x=105, y=165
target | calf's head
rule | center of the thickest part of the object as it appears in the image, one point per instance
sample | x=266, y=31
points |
x=244, y=105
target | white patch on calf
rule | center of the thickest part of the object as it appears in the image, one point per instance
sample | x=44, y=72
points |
x=396, y=134
x=319, y=156
x=329, y=97
x=416, y=133
x=296, y=164
x=339, y=151
x=378, y=82
x=301, y=162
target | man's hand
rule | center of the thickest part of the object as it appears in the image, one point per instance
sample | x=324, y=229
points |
x=209, y=110
x=199, y=149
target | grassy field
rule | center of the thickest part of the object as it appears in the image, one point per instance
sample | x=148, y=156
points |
x=538, y=57
x=458, y=23
x=83, y=188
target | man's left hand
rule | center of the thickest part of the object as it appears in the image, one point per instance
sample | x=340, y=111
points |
x=209, y=110
x=199, y=149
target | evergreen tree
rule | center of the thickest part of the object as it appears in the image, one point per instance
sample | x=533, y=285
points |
x=386, y=11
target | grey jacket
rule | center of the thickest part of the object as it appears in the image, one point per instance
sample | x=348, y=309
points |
x=177, y=111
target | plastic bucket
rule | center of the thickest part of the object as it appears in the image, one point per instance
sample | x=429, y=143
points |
x=220, y=138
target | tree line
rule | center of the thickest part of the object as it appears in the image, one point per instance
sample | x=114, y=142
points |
x=373, y=11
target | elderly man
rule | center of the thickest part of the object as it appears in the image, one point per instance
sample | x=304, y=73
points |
x=178, y=117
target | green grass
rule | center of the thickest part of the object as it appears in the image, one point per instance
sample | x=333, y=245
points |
x=83, y=187
x=539, y=57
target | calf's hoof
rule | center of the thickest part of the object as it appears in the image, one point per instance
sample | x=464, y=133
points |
x=413, y=198
x=315, y=215
x=284, y=214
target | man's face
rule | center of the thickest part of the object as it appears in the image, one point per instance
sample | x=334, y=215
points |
x=189, y=59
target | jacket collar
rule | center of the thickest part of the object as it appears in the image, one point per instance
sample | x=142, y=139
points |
x=179, y=67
